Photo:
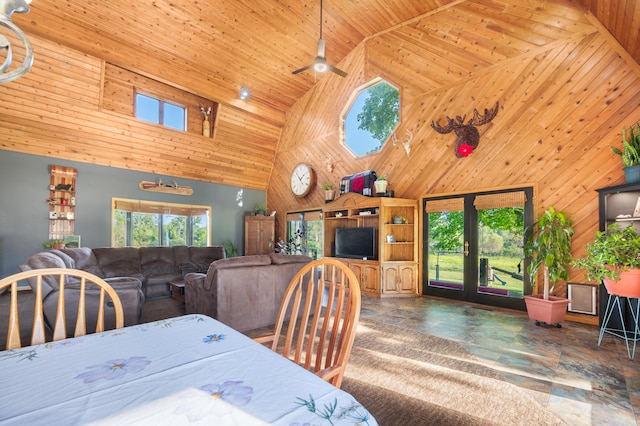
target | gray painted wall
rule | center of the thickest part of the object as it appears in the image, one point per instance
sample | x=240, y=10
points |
x=24, y=189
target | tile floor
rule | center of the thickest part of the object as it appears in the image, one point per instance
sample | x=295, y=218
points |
x=564, y=369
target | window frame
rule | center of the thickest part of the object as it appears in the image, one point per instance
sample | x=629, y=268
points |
x=164, y=210
x=161, y=111
x=351, y=103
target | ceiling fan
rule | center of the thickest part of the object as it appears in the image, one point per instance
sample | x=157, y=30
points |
x=320, y=63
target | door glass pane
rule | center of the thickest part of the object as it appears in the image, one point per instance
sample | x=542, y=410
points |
x=304, y=234
x=446, y=249
x=500, y=251
x=314, y=238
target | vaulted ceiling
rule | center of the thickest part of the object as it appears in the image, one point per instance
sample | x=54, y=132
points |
x=212, y=48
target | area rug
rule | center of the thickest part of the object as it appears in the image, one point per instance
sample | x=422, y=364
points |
x=409, y=378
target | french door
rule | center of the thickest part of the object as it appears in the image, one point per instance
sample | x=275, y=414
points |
x=473, y=246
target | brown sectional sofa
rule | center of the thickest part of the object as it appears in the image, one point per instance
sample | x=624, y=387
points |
x=243, y=292
x=135, y=273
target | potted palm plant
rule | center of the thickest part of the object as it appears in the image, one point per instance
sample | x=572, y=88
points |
x=613, y=258
x=630, y=154
x=549, y=247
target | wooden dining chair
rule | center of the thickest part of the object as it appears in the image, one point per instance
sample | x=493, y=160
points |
x=320, y=311
x=85, y=281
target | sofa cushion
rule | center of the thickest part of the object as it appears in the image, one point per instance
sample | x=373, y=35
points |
x=157, y=261
x=68, y=261
x=119, y=261
x=43, y=260
x=181, y=255
x=83, y=258
x=201, y=257
x=281, y=259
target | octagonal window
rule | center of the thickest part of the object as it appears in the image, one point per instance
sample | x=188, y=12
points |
x=371, y=117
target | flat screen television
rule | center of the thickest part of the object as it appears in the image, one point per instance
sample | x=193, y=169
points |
x=356, y=243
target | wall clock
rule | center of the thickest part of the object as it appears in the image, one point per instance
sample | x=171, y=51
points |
x=302, y=180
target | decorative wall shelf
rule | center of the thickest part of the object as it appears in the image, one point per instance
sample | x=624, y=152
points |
x=62, y=201
x=166, y=188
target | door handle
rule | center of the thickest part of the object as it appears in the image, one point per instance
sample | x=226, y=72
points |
x=466, y=248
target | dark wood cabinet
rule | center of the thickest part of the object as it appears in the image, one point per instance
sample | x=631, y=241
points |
x=259, y=234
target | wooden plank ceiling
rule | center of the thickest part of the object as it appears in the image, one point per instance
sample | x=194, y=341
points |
x=212, y=48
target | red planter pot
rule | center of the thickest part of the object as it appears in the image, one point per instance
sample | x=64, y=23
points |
x=628, y=285
x=550, y=311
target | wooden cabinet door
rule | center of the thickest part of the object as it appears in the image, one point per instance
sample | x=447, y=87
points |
x=399, y=279
x=259, y=234
x=356, y=268
x=390, y=279
x=369, y=276
x=407, y=279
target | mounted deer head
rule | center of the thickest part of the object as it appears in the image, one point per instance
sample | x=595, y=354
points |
x=406, y=143
x=468, y=136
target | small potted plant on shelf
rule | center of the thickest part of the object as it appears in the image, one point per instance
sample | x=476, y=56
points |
x=381, y=185
x=613, y=258
x=329, y=191
x=55, y=243
x=260, y=209
x=630, y=154
x=549, y=247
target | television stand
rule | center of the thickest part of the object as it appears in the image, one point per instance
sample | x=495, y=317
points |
x=395, y=271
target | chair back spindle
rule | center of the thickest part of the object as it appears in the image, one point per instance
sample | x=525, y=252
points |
x=86, y=282
x=320, y=311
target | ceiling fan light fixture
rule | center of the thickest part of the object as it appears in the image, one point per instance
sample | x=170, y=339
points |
x=320, y=64
x=320, y=67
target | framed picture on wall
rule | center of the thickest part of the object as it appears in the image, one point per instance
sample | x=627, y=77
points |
x=72, y=241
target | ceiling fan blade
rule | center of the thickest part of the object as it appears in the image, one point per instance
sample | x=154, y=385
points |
x=302, y=69
x=336, y=70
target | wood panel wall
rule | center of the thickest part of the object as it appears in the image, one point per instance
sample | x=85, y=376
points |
x=622, y=19
x=565, y=88
x=56, y=110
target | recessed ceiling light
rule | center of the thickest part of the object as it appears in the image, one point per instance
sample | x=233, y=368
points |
x=244, y=93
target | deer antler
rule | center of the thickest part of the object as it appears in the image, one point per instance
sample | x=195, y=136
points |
x=405, y=143
x=489, y=114
x=467, y=135
x=447, y=129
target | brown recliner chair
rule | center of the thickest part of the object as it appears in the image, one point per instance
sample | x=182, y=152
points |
x=129, y=290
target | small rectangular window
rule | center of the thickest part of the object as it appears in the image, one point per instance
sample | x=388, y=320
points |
x=147, y=108
x=174, y=116
x=158, y=111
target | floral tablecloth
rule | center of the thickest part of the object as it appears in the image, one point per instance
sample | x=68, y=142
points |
x=185, y=370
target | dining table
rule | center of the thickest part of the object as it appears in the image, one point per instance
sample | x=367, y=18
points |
x=190, y=369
